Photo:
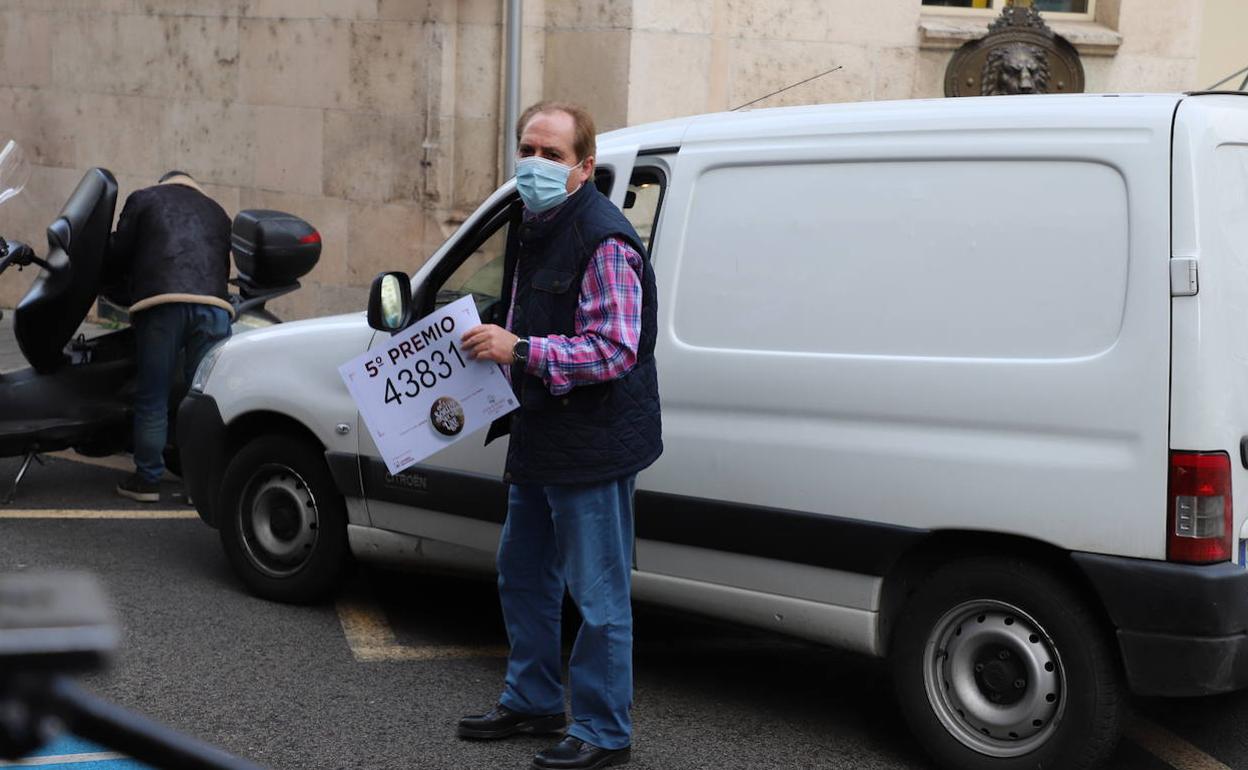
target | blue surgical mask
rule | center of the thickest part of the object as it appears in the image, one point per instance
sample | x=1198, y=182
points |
x=543, y=183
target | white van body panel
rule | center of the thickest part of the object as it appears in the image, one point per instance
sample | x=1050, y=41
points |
x=1209, y=380
x=1013, y=425
x=1063, y=440
x=292, y=369
x=663, y=135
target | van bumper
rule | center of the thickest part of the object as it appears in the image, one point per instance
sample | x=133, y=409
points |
x=201, y=444
x=1182, y=629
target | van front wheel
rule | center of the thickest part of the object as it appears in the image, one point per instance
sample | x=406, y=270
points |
x=283, y=524
x=998, y=665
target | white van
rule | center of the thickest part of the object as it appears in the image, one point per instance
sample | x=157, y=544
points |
x=960, y=382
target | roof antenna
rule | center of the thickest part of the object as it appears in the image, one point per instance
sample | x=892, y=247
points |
x=1242, y=86
x=786, y=88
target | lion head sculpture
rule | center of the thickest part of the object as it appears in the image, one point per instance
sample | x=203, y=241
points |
x=1017, y=68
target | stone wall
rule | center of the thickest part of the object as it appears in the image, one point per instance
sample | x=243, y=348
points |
x=888, y=49
x=379, y=120
x=1222, y=50
x=750, y=48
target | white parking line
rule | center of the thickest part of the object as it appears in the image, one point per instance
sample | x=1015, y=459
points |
x=64, y=759
x=86, y=513
x=371, y=640
x=1170, y=748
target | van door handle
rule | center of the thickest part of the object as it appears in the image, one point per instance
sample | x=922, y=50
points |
x=1243, y=451
x=1184, y=276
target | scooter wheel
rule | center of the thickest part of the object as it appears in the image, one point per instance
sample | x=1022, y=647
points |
x=283, y=524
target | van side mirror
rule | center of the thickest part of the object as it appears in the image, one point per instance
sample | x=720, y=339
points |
x=390, y=302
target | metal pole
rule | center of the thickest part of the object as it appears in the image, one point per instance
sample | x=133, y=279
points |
x=511, y=100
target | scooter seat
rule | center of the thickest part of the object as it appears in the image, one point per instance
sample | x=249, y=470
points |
x=19, y=437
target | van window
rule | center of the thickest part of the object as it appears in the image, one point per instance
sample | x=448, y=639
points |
x=897, y=259
x=642, y=201
x=1232, y=175
x=480, y=274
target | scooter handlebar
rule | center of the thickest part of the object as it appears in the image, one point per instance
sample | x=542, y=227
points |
x=16, y=253
x=141, y=738
x=53, y=624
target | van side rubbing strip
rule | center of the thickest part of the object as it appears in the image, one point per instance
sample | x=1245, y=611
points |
x=771, y=533
x=834, y=542
x=470, y=495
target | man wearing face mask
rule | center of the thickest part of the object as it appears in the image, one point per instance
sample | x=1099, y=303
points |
x=579, y=343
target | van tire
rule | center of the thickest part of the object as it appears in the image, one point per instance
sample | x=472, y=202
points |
x=283, y=524
x=1011, y=633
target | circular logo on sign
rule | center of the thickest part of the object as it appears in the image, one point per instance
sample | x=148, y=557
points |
x=447, y=416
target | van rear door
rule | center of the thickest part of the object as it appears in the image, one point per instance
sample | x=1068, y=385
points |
x=1209, y=365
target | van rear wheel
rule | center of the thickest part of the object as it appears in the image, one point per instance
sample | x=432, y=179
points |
x=283, y=524
x=999, y=665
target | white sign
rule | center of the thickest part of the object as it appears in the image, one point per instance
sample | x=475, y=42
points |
x=419, y=392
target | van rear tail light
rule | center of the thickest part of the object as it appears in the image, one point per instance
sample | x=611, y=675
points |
x=1199, y=522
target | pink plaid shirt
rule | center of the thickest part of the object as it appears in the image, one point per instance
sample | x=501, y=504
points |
x=607, y=326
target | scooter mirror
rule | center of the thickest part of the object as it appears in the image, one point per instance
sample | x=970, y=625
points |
x=54, y=621
x=390, y=302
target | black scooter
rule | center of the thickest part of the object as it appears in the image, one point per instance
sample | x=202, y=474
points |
x=78, y=392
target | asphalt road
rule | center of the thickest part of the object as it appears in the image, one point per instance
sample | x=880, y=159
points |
x=378, y=677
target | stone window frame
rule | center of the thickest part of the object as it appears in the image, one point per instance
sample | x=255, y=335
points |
x=942, y=28
x=1088, y=15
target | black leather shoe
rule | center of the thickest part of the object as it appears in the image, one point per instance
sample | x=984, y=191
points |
x=500, y=722
x=575, y=754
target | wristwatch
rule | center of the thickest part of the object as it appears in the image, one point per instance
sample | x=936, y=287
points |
x=520, y=351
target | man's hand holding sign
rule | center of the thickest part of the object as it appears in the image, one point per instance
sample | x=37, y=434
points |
x=427, y=387
x=491, y=343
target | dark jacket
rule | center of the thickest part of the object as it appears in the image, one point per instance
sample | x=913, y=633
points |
x=593, y=433
x=172, y=244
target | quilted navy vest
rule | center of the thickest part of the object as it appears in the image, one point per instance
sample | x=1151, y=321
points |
x=593, y=433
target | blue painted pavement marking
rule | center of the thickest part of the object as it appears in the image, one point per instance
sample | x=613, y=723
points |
x=71, y=753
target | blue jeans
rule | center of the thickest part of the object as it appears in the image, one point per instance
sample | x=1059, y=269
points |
x=161, y=334
x=581, y=537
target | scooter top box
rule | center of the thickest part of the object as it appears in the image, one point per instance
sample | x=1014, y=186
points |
x=273, y=248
